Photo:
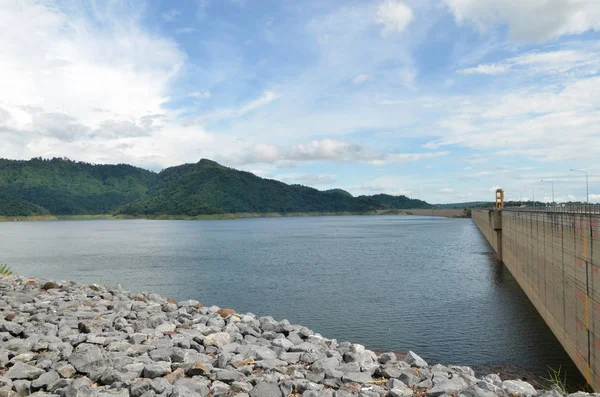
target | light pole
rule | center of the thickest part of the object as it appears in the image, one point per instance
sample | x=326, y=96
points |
x=587, y=189
x=552, y=189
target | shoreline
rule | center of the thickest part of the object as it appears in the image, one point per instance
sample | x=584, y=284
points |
x=243, y=215
x=67, y=338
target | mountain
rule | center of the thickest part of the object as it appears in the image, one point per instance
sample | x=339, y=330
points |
x=399, y=202
x=14, y=206
x=65, y=187
x=209, y=188
x=338, y=191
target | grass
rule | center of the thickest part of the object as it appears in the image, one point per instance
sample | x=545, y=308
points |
x=557, y=380
x=5, y=270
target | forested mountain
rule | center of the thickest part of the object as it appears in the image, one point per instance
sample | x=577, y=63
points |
x=14, y=206
x=209, y=188
x=399, y=202
x=64, y=187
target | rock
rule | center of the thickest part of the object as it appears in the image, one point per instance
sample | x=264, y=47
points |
x=24, y=371
x=156, y=369
x=265, y=389
x=325, y=364
x=198, y=368
x=82, y=341
x=449, y=386
x=218, y=339
x=44, y=380
x=518, y=387
x=387, y=357
x=22, y=387
x=66, y=370
x=13, y=328
x=229, y=376
x=225, y=312
x=175, y=375
x=50, y=285
x=166, y=327
x=88, y=359
x=414, y=360
x=358, y=377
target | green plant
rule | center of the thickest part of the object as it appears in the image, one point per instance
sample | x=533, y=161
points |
x=557, y=379
x=5, y=270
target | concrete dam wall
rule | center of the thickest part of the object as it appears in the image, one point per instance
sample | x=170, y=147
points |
x=555, y=257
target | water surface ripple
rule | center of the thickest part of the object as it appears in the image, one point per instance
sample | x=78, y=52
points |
x=389, y=282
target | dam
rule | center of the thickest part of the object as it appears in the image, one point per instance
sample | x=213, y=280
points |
x=554, y=254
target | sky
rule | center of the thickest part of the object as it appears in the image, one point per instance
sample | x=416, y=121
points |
x=442, y=100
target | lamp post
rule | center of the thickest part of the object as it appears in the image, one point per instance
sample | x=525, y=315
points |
x=552, y=183
x=587, y=190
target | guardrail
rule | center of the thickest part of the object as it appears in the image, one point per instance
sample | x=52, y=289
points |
x=593, y=209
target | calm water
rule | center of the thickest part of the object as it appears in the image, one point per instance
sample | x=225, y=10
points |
x=391, y=283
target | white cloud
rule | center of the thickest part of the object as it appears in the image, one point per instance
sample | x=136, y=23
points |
x=309, y=179
x=530, y=20
x=321, y=150
x=394, y=16
x=446, y=190
x=265, y=99
x=490, y=69
x=583, y=61
x=361, y=78
x=86, y=84
x=200, y=94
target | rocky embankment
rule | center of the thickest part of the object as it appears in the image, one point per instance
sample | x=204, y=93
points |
x=69, y=339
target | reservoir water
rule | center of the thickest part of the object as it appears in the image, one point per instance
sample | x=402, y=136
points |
x=392, y=283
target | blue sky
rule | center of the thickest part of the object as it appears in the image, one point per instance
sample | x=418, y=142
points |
x=443, y=100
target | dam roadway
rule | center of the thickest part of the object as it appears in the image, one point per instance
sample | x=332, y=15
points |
x=554, y=254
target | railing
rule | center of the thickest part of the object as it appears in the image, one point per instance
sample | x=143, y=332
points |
x=593, y=209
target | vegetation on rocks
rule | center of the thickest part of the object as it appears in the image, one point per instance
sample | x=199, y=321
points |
x=5, y=270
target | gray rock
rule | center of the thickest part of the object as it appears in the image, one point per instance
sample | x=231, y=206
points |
x=358, y=377
x=22, y=387
x=449, y=386
x=325, y=364
x=24, y=371
x=229, y=376
x=387, y=357
x=88, y=359
x=518, y=387
x=156, y=369
x=13, y=328
x=44, y=380
x=217, y=339
x=265, y=389
x=66, y=370
x=414, y=360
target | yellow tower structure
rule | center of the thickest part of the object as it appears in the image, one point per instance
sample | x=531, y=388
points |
x=499, y=199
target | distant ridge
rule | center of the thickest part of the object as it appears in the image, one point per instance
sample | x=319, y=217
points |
x=63, y=187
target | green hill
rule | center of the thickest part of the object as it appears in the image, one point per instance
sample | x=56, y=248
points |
x=65, y=187
x=399, y=202
x=209, y=188
x=338, y=191
x=14, y=206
